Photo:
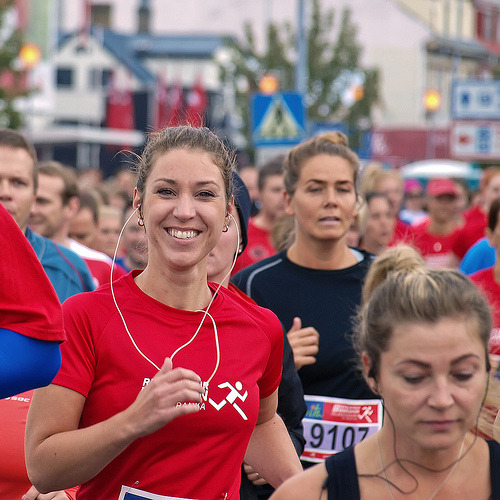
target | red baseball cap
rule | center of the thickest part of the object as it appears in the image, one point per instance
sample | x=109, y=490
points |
x=438, y=187
x=413, y=185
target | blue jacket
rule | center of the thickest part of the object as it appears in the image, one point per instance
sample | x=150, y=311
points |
x=66, y=270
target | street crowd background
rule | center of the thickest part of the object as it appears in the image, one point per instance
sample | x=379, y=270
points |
x=78, y=209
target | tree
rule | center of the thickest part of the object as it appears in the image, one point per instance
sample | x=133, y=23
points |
x=12, y=77
x=333, y=64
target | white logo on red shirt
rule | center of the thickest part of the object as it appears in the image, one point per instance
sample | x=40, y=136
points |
x=234, y=394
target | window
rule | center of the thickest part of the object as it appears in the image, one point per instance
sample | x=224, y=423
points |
x=64, y=78
x=99, y=78
x=101, y=15
x=485, y=25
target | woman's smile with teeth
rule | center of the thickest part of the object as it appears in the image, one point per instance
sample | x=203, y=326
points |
x=182, y=235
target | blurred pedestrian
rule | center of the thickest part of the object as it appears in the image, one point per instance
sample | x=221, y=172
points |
x=271, y=192
x=388, y=181
x=249, y=174
x=56, y=204
x=353, y=236
x=479, y=256
x=377, y=223
x=435, y=237
x=83, y=226
x=413, y=204
x=476, y=216
x=67, y=272
x=109, y=225
x=134, y=242
x=488, y=280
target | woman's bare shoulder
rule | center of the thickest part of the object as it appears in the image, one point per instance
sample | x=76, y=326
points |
x=304, y=486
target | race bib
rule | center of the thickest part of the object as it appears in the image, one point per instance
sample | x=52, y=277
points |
x=334, y=424
x=129, y=493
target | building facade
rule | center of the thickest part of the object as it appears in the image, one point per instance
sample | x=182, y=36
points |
x=416, y=46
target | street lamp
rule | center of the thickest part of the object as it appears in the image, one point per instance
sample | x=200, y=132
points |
x=29, y=55
x=269, y=83
x=432, y=102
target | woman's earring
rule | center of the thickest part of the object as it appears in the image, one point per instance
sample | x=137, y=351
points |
x=225, y=228
x=140, y=221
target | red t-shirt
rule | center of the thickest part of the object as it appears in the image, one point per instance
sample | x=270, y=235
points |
x=485, y=281
x=14, y=481
x=259, y=247
x=473, y=229
x=243, y=295
x=434, y=248
x=98, y=263
x=475, y=213
x=195, y=456
x=403, y=233
x=28, y=302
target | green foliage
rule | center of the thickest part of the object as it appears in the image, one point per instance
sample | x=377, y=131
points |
x=333, y=65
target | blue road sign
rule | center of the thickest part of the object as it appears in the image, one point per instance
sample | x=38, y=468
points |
x=477, y=99
x=277, y=119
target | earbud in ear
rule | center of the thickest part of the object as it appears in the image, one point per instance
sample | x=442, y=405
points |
x=138, y=205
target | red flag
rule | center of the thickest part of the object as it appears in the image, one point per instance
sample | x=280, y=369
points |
x=22, y=14
x=176, y=105
x=83, y=35
x=162, y=113
x=197, y=103
x=120, y=106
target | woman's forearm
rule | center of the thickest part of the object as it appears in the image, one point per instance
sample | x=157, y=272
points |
x=70, y=458
x=60, y=455
x=271, y=452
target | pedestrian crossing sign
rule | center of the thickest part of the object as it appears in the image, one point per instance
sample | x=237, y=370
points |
x=277, y=119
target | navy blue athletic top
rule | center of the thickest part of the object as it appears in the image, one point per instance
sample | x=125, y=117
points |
x=343, y=484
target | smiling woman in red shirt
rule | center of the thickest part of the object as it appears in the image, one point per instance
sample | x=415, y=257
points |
x=168, y=382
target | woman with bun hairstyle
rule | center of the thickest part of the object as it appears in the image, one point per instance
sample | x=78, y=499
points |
x=400, y=258
x=422, y=345
x=314, y=286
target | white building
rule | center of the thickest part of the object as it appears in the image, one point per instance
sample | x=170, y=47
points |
x=416, y=45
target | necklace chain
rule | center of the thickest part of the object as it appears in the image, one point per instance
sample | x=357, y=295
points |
x=435, y=492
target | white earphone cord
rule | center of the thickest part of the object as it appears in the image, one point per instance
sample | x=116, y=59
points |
x=206, y=313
